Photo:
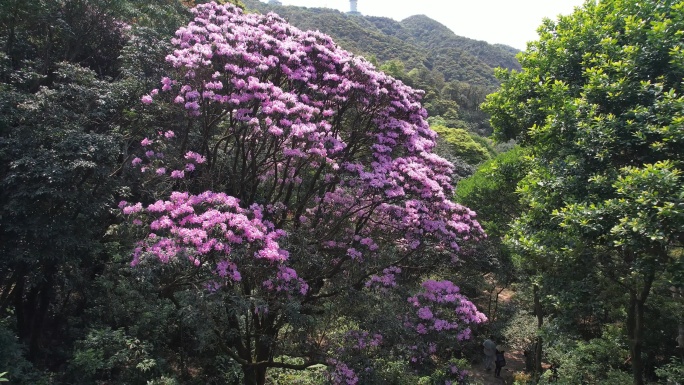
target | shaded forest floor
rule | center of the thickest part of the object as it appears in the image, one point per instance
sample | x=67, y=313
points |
x=515, y=362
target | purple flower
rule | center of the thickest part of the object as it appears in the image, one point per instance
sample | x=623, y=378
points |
x=199, y=159
x=424, y=313
x=136, y=208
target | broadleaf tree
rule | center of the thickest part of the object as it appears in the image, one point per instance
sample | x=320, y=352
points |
x=599, y=104
x=297, y=178
x=58, y=150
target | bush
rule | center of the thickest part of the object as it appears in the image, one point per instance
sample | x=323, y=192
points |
x=672, y=373
x=16, y=368
x=597, y=361
x=112, y=356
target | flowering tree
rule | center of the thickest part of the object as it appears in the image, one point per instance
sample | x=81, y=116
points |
x=308, y=175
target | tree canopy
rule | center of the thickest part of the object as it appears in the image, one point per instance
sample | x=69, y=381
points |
x=301, y=176
x=599, y=105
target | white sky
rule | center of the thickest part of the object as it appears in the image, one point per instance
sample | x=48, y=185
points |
x=511, y=22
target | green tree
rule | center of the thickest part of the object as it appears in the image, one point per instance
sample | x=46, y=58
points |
x=599, y=103
x=65, y=95
x=462, y=144
x=56, y=160
x=491, y=191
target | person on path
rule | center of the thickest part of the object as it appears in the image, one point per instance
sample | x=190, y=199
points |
x=500, y=362
x=489, y=352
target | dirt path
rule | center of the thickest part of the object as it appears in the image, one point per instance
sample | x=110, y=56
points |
x=515, y=362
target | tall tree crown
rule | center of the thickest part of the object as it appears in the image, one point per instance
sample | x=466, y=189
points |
x=303, y=174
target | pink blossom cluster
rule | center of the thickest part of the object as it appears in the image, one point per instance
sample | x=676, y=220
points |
x=208, y=228
x=440, y=318
x=287, y=281
x=386, y=280
x=296, y=89
x=353, y=349
x=362, y=340
x=340, y=374
x=155, y=161
x=441, y=307
x=454, y=375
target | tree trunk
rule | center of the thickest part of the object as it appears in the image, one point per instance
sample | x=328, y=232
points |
x=38, y=321
x=635, y=327
x=262, y=326
x=254, y=374
x=677, y=295
x=249, y=376
x=540, y=322
x=634, y=324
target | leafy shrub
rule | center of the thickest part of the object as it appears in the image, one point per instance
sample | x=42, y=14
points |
x=673, y=372
x=522, y=378
x=16, y=368
x=107, y=355
x=597, y=361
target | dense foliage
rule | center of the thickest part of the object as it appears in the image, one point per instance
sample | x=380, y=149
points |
x=599, y=105
x=64, y=96
x=56, y=162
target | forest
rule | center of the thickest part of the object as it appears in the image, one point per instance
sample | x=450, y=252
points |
x=235, y=192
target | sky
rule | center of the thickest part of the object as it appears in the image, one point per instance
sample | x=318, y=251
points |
x=510, y=22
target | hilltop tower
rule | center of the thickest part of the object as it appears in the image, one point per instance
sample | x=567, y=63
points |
x=352, y=7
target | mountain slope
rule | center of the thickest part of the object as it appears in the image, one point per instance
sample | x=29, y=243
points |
x=418, y=42
x=431, y=35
